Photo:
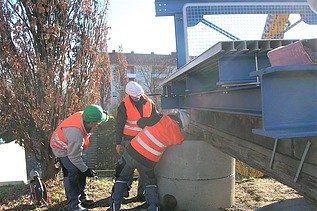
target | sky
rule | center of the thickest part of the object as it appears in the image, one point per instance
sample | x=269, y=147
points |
x=135, y=27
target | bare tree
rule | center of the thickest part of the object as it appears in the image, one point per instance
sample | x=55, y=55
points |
x=153, y=73
x=52, y=58
x=120, y=74
x=105, y=86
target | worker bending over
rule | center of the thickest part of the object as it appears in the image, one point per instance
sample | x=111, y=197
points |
x=143, y=153
x=68, y=142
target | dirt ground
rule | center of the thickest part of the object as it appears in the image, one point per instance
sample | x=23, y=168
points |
x=249, y=195
x=256, y=193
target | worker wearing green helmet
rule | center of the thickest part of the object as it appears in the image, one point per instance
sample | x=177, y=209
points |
x=68, y=142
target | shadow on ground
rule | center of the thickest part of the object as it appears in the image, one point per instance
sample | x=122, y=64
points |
x=105, y=203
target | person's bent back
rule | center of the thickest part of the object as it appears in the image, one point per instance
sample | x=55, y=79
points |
x=144, y=151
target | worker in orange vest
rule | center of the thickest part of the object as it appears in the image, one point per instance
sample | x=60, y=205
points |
x=144, y=151
x=68, y=141
x=134, y=106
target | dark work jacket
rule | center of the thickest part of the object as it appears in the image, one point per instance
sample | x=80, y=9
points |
x=143, y=122
x=122, y=118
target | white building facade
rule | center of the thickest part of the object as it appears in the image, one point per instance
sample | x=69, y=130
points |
x=146, y=69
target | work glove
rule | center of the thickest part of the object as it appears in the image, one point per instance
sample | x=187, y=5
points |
x=149, y=121
x=119, y=149
x=90, y=173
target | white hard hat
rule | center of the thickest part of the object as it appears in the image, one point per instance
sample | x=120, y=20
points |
x=134, y=89
x=184, y=117
x=313, y=5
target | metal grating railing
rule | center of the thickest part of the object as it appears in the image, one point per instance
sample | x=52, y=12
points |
x=206, y=24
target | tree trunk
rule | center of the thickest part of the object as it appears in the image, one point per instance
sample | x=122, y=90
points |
x=49, y=169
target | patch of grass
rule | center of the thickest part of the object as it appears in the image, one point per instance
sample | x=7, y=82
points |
x=246, y=171
x=12, y=192
x=17, y=197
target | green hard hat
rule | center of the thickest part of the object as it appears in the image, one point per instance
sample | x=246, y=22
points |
x=94, y=113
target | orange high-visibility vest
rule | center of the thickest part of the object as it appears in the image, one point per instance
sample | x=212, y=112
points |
x=131, y=128
x=152, y=141
x=58, y=140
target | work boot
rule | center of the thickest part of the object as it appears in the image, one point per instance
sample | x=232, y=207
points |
x=87, y=203
x=153, y=208
x=151, y=196
x=114, y=206
x=78, y=208
x=140, y=198
x=126, y=194
x=117, y=195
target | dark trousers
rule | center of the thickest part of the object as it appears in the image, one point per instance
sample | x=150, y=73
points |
x=141, y=185
x=74, y=183
x=124, y=174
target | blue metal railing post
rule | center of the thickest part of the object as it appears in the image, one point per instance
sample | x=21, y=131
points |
x=180, y=39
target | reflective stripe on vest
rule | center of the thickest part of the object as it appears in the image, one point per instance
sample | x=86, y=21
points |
x=131, y=128
x=153, y=140
x=132, y=125
x=58, y=141
x=147, y=147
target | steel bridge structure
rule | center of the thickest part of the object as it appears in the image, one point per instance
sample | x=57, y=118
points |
x=246, y=97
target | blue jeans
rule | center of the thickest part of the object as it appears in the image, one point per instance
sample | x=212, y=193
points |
x=74, y=183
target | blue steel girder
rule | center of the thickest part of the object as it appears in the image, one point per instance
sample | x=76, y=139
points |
x=171, y=7
x=241, y=100
x=219, y=79
x=244, y=65
x=289, y=101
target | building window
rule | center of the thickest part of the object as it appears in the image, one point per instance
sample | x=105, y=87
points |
x=130, y=69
